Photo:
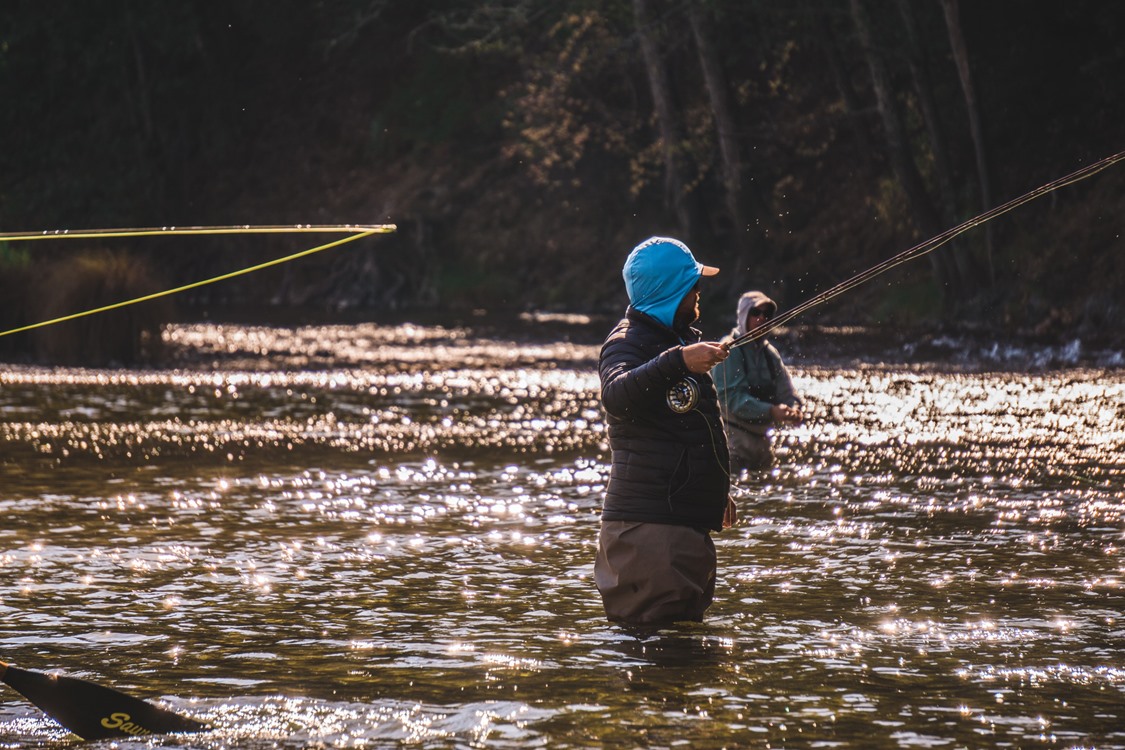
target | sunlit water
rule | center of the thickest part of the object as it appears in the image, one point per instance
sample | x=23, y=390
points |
x=374, y=537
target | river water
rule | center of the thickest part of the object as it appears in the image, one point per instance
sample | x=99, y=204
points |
x=378, y=536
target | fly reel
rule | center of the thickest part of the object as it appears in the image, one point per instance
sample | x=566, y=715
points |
x=683, y=396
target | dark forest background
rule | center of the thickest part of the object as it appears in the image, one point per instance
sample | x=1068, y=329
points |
x=524, y=146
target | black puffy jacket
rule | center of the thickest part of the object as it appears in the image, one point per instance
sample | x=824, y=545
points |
x=668, y=467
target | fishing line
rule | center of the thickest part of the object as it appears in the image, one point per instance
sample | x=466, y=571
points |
x=360, y=231
x=923, y=248
x=63, y=234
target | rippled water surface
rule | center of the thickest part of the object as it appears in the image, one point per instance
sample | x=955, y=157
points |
x=373, y=536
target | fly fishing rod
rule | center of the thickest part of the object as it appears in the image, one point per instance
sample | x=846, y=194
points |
x=81, y=234
x=923, y=248
x=355, y=232
x=93, y=711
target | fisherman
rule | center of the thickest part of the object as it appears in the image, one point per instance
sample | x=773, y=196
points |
x=755, y=388
x=669, y=483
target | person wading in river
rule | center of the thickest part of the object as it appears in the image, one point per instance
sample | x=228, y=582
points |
x=669, y=483
x=755, y=389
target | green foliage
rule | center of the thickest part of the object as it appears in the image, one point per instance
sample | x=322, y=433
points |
x=439, y=103
x=13, y=257
x=15, y=274
x=553, y=122
x=523, y=134
x=908, y=302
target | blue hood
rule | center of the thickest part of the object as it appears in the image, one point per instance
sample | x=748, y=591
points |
x=658, y=273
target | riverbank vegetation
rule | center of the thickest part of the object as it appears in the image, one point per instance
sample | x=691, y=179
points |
x=523, y=147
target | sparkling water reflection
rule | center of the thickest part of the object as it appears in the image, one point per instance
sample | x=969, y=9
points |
x=368, y=537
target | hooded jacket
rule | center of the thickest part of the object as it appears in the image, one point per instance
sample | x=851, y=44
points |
x=668, y=467
x=753, y=378
x=658, y=273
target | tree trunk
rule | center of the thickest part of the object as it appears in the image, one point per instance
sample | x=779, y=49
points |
x=723, y=112
x=674, y=187
x=967, y=270
x=924, y=90
x=898, y=151
x=961, y=57
x=149, y=136
x=852, y=105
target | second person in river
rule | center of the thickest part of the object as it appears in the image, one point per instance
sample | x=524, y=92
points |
x=755, y=390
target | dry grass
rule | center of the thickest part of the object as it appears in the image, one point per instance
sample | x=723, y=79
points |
x=126, y=337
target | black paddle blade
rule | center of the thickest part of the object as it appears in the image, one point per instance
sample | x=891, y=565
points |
x=92, y=711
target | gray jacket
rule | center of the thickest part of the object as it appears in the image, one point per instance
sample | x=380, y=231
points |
x=753, y=378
